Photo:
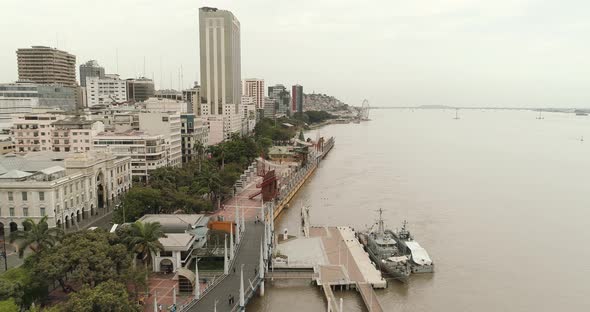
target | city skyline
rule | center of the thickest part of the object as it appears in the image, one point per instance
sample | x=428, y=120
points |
x=462, y=53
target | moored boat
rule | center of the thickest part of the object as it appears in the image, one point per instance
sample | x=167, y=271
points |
x=383, y=249
x=420, y=261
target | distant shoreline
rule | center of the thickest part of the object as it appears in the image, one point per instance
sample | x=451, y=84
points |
x=553, y=110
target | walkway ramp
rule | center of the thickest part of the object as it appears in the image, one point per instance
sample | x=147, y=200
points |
x=369, y=297
x=332, y=303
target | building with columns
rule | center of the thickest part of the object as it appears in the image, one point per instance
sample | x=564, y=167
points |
x=221, y=77
x=71, y=189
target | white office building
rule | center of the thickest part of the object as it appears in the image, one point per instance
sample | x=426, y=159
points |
x=107, y=90
x=168, y=125
x=148, y=152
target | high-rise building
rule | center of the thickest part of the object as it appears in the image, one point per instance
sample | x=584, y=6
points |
x=192, y=97
x=297, y=99
x=282, y=96
x=270, y=107
x=195, y=137
x=140, y=89
x=106, y=90
x=255, y=88
x=46, y=65
x=219, y=36
x=90, y=69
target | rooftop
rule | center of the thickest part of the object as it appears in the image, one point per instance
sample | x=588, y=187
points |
x=177, y=240
x=174, y=223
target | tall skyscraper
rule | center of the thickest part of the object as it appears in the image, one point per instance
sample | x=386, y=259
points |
x=221, y=78
x=46, y=65
x=282, y=96
x=254, y=87
x=90, y=69
x=297, y=99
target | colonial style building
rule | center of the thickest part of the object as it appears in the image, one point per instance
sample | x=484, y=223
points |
x=70, y=188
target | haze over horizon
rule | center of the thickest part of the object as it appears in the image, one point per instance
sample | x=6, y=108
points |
x=519, y=53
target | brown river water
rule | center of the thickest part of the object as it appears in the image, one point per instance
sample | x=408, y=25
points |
x=499, y=199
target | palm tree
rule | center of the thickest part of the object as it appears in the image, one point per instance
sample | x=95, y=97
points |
x=210, y=180
x=144, y=238
x=35, y=236
x=199, y=149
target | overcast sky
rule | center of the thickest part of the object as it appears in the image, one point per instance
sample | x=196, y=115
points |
x=533, y=53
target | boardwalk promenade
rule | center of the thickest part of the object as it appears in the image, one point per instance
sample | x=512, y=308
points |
x=247, y=255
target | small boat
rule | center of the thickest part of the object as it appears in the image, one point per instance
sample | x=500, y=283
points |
x=420, y=261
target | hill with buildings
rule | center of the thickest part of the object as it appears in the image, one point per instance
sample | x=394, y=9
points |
x=323, y=102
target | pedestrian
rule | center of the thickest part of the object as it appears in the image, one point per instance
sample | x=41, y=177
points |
x=234, y=270
x=229, y=299
x=160, y=307
x=255, y=271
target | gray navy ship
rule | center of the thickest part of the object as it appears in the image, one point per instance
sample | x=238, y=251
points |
x=384, y=250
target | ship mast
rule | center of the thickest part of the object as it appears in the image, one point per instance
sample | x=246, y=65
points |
x=381, y=228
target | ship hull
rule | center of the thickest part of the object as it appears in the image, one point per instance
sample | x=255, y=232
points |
x=391, y=270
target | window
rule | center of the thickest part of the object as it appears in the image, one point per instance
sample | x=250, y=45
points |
x=71, y=203
x=24, y=196
x=10, y=196
x=42, y=211
x=41, y=195
x=71, y=188
x=11, y=211
x=57, y=208
x=26, y=212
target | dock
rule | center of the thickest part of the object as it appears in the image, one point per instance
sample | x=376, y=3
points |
x=338, y=260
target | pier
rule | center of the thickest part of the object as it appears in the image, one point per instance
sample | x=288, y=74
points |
x=336, y=260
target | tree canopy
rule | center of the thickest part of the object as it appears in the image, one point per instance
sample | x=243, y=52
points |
x=109, y=296
x=35, y=236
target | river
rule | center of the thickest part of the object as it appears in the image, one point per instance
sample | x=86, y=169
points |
x=499, y=199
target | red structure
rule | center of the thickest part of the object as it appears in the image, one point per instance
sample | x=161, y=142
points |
x=269, y=186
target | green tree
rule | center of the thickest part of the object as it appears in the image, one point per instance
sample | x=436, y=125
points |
x=143, y=239
x=137, y=202
x=91, y=257
x=9, y=305
x=22, y=285
x=209, y=181
x=35, y=236
x=109, y=296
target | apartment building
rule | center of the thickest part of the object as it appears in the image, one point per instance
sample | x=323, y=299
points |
x=75, y=133
x=194, y=132
x=33, y=132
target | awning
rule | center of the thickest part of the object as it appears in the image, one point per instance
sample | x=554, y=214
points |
x=419, y=254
